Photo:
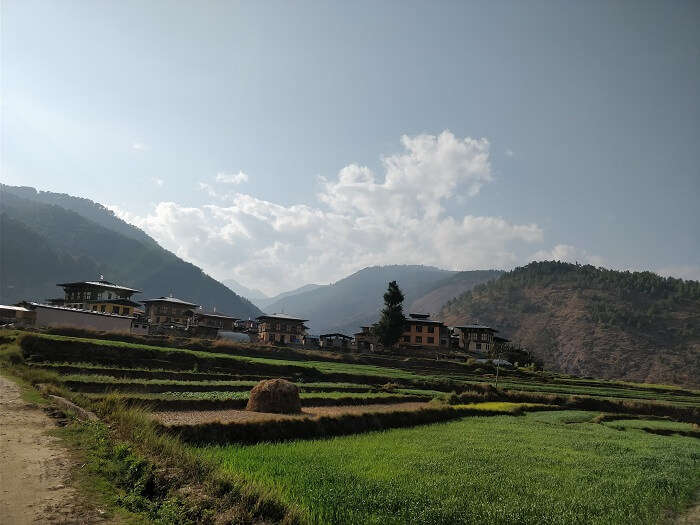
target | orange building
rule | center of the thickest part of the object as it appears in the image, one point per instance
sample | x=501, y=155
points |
x=421, y=331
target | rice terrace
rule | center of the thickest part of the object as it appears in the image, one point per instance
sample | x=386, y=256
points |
x=399, y=441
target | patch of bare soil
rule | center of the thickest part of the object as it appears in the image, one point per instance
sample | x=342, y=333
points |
x=35, y=469
x=692, y=515
x=193, y=417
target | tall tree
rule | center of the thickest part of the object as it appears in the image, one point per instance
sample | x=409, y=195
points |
x=392, y=323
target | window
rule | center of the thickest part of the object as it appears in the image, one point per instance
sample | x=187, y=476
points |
x=103, y=308
x=406, y=338
x=478, y=346
x=431, y=329
x=419, y=339
x=94, y=307
x=431, y=340
x=115, y=309
x=419, y=328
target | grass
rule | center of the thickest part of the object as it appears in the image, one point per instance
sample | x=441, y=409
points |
x=538, y=468
x=85, y=382
x=679, y=397
x=225, y=395
x=117, y=352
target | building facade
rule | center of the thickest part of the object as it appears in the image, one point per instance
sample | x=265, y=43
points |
x=214, y=320
x=281, y=328
x=98, y=296
x=334, y=341
x=365, y=340
x=421, y=331
x=477, y=338
x=169, y=311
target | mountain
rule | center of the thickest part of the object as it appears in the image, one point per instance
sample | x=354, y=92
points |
x=591, y=321
x=263, y=303
x=357, y=299
x=85, y=207
x=453, y=286
x=42, y=243
x=249, y=293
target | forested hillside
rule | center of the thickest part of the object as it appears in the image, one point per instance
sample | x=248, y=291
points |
x=592, y=321
x=44, y=244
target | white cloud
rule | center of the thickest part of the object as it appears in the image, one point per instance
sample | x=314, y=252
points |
x=510, y=153
x=140, y=146
x=360, y=219
x=158, y=182
x=567, y=253
x=232, y=178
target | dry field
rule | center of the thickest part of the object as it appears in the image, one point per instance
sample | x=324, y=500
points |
x=193, y=417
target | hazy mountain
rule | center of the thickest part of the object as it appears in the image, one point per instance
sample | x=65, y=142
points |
x=43, y=244
x=357, y=300
x=264, y=303
x=591, y=321
x=249, y=293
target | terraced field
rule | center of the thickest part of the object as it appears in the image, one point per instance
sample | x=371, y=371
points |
x=413, y=442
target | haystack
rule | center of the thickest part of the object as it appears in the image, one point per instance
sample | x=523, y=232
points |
x=275, y=395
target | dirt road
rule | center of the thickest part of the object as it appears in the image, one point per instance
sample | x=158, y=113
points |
x=34, y=467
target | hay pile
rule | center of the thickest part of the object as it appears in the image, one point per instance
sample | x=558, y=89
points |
x=278, y=396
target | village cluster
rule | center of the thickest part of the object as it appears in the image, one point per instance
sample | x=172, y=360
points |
x=105, y=306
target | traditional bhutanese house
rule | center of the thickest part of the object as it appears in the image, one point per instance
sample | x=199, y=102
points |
x=168, y=311
x=365, y=340
x=421, y=331
x=215, y=320
x=476, y=337
x=281, y=328
x=98, y=296
x=52, y=315
x=340, y=341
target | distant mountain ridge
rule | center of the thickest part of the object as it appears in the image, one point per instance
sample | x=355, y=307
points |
x=264, y=303
x=592, y=321
x=44, y=243
x=356, y=300
x=249, y=293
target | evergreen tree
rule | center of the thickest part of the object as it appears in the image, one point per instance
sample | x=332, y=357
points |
x=392, y=323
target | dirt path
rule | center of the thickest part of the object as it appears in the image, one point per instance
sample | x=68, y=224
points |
x=34, y=467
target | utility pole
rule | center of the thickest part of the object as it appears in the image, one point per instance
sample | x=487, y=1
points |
x=498, y=363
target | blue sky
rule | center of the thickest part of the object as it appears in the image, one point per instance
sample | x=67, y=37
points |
x=280, y=143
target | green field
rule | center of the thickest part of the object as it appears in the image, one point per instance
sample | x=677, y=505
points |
x=546, y=467
x=602, y=452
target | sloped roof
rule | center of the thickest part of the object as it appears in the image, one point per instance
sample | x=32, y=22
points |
x=101, y=284
x=174, y=300
x=476, y=327
x=281, y=317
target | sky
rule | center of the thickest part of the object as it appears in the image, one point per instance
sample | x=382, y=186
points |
x=282, y=143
